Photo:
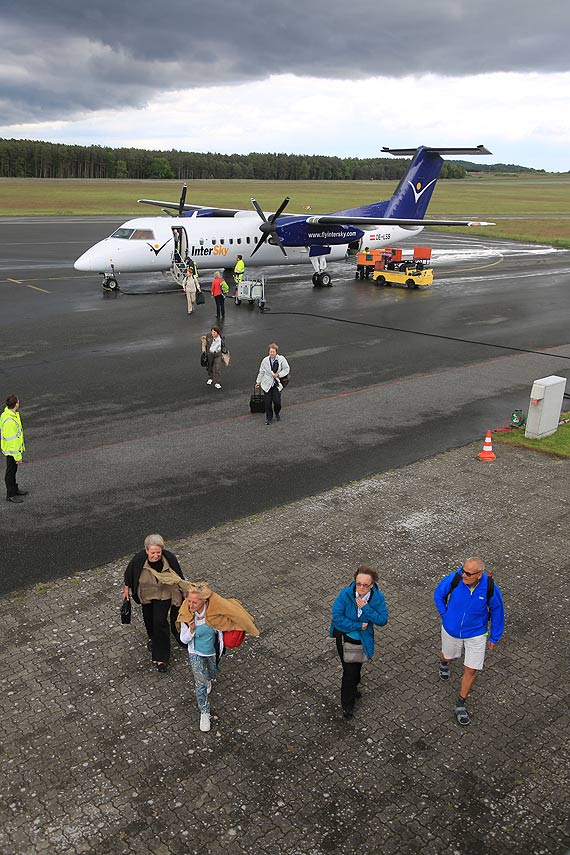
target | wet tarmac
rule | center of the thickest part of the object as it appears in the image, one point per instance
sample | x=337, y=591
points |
x=124, y=437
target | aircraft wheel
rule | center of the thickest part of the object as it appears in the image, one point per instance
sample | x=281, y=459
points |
x=110, y=284
x=325, y=280
x=380, y=280
x=410, y=283
x=316, y=279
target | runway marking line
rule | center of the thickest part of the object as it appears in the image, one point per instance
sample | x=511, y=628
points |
x=27, y=284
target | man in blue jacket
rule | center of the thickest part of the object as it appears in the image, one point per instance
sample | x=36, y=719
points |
x=472, y=617
x=355, y=611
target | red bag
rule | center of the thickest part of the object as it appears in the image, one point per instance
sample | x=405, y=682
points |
x=233, y=637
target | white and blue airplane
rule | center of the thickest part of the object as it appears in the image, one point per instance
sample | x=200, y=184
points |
x=214, y=237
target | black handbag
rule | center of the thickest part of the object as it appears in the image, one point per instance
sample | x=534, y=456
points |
x=126, y=611
x=257, y=401
x=200, y=299
x=285, y=380
x=204, y=359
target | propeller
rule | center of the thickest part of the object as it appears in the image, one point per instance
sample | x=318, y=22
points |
x=182, y=200
x=268, y=227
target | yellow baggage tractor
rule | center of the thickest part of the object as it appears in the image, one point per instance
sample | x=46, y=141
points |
x=411, y=277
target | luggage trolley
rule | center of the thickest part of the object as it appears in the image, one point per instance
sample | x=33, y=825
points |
x=252, y=290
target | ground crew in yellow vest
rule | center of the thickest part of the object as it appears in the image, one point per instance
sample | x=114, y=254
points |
x=12, y=444
x=239, y=269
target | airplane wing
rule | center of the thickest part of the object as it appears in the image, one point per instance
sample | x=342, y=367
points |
x=207, y=209
x=388, y=221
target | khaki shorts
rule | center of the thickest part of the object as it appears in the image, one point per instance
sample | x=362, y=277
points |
x=475, y=647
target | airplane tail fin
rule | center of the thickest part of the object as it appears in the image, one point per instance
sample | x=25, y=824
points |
x=412, y=195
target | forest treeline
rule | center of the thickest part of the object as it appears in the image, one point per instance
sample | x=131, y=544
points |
x=33, y=159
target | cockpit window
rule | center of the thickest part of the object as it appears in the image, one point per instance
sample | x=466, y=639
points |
x=134, y=234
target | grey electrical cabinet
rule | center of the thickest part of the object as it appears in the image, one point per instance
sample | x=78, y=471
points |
x=546, y=398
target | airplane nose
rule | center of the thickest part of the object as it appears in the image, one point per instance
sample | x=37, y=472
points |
x=91, y=262
x=83, y=263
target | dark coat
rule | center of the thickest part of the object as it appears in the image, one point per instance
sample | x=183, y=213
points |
x=136, y=564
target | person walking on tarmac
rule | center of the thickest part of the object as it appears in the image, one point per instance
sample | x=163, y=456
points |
x=12, y=443
x=272, y=370
x=219, y=290
x=239, y=270
x=191, y=285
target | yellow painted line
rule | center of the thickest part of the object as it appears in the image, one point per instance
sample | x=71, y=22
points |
x=469, y=269
x=27, y=284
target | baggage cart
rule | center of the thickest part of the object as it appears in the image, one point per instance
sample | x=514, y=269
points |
x=251, y=291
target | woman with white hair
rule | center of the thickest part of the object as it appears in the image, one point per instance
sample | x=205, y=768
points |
x=153, y=578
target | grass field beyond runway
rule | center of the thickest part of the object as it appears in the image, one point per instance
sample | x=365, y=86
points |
x=525, y=208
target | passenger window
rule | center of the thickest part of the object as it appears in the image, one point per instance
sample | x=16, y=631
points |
x=231, y=240
x=201, y=241
x=239, y=240
x=248, y=240
x=222, y=241
x=214, y=241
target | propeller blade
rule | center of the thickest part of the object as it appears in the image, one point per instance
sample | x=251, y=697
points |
x=259, y=211
x=280, y=209
x=260, y=243
x=268, y=227
x=182, y=200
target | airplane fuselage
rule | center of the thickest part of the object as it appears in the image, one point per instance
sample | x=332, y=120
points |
x=147, y=244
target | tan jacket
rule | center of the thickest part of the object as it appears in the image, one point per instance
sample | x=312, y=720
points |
x=221, y=613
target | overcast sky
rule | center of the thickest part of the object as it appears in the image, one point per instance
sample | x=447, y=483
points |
x=304, y=76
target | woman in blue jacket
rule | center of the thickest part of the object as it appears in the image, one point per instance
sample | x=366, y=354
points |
x=355, y=611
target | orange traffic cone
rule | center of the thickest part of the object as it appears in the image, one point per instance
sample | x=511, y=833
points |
x=487, y=453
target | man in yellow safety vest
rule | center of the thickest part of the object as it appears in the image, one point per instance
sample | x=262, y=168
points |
x=239, y=269
x=12, y=444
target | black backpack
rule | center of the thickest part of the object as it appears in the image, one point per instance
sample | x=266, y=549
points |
x=457, y=579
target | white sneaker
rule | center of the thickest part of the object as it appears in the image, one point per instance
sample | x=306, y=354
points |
x=209, y=382
x=209, y=687
x=205, y=722
x=218, y=385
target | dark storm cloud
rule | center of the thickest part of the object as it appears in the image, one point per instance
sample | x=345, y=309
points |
x=63, y=58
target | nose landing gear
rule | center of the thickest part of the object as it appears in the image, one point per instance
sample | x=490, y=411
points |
x=110, y=282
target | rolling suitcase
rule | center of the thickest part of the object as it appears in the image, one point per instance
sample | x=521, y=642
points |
x=257, y=402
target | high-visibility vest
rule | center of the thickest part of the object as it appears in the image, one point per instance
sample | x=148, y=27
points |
x=240, y=267
x=12, y=434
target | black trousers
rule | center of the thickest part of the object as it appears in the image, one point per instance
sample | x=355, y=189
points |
x=272, y=402
x=158, y=626
x=220, y=306
x=10, y=479
x=350, y=679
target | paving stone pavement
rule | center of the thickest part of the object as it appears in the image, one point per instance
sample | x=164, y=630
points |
x=102, y=755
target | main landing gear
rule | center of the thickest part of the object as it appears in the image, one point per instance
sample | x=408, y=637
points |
x=322, y=280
